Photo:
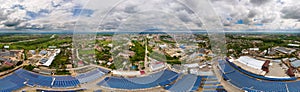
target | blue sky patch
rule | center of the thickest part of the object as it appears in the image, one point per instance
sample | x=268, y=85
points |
x=260, y=24
x=239, y=22
x=82, y=12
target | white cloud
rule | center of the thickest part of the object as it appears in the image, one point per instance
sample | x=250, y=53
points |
x=254, y=12
x=52, y=14
x=18, y=14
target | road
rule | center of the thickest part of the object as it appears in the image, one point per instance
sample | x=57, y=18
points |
x=146, y=57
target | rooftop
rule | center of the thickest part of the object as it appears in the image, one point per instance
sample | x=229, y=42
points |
x=296, y=63
x=285, y=50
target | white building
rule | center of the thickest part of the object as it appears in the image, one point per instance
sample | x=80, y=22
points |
x=251, y=62
x=285, y=50
x=194, y=65
x=254, y=49
x=294, y=45
x=156, y=66
x=51, y=58
x=6, y=47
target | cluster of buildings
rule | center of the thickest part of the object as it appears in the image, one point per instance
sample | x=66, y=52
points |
x=272, y=53
x=294, y=66
x=9, y=58
x=276, y=61
x=187, y=52
x=43, y=57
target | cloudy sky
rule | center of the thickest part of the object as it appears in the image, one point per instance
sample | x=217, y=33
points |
x=64, y=14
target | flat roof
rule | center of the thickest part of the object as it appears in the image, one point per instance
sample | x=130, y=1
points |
x=296, y=63
x=251, y=62
x=285, y=50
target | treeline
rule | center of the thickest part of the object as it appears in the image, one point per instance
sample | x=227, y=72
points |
x=16, y=38
x=40, y=43
x=139, y=50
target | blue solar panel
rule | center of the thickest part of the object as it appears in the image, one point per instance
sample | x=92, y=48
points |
x=98, y=91
x=75, y=90
x=185, y=84
x=224, y=67
x=260, y=76
x=104, y=70
x=243, y=81
x=139, y=83
x=212, y=82
x=35, y=78
x=293, y=86
x=197, y=83
x=65, y=81
x=10, y=83
x=41, y=80
x=90, y=76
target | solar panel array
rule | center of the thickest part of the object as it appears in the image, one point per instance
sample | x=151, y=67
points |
x=64, y=81
x=11, y=82
x=211, y=84
x=248, y=83
x=33, y=78
x=189, y=82
x=90, y=76
x=186, y=83
x=164, y=77
x=260, y=76
x=21, y=78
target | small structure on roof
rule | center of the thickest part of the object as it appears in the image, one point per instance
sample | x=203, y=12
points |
x=265, y=66
x=43, y=60
x=290, y=72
